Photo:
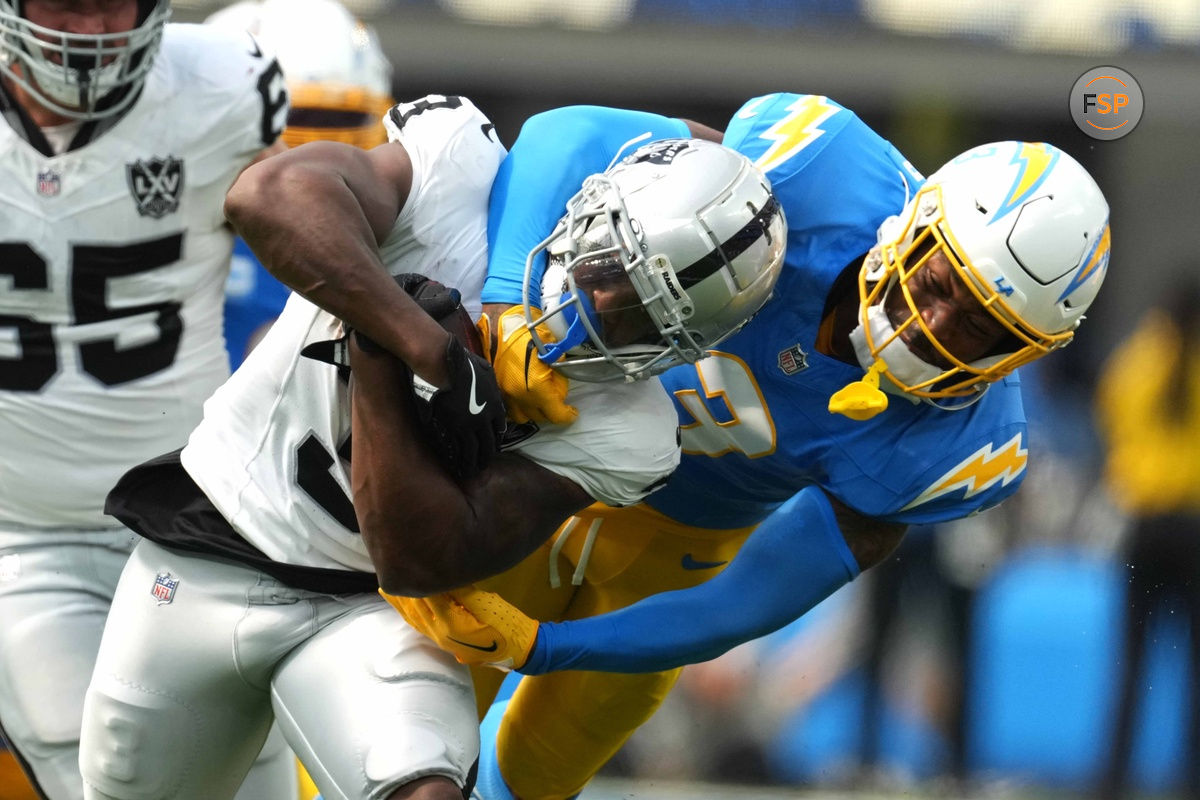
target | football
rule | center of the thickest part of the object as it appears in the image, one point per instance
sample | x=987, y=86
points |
x=444, y=305
x=462, y=327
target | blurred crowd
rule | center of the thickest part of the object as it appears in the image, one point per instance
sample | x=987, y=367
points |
x=1076, y=27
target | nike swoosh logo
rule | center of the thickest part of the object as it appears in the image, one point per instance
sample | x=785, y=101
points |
x=690, y=563
x=494, y=647
x=472, y=405
x=529, y=350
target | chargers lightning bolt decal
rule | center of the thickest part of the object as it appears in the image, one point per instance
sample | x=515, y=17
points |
x=797, y=130
x=979, y=472
x=1035, y=161
x=1095, y=261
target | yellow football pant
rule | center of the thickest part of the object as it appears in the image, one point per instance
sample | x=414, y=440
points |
x=560, y=728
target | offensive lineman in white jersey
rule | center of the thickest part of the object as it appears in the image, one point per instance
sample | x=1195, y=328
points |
x=120, y=136
x=256, y=581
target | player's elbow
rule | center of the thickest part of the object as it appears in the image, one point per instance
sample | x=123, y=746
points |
x=252, y=205
x=248, y=198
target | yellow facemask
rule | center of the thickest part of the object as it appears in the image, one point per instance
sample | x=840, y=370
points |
x=892, y=265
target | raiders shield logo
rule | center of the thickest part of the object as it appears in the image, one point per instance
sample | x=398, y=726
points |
x=156, y=185
x=663, y=152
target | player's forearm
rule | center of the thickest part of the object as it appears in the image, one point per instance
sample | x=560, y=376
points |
x=795, y=559
x=520, y=504
x=408, y=506
x=528, y=197
x=427, y=532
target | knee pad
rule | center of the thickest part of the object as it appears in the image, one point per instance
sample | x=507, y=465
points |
x=135, y=744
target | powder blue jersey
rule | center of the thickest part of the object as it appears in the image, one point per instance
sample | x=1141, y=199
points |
x=756, y=427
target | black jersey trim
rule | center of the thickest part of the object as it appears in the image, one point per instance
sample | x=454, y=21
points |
x=159, y=501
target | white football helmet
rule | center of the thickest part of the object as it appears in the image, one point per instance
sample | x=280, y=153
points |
x=1024, y=227
x=339, y=80
x=696, y=230
x=80, y=76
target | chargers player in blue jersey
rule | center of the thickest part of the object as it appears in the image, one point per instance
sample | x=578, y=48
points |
x=876, y=390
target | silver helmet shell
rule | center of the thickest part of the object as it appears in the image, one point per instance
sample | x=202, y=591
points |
x=700, y=235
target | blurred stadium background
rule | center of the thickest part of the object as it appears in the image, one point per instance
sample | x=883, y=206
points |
x=1025, y=599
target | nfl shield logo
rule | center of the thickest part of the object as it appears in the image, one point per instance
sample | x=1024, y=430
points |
x=164, y=588
x=793, y=360
x=156, y=185
x=48, y=183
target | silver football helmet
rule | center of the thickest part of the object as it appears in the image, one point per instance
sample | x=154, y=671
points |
x=658, y=259
x=80, y=76
x=1024, y=227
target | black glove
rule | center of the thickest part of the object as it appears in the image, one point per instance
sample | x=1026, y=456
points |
x=464, y=422
x=435, y=299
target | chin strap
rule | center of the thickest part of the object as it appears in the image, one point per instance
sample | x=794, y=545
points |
x=861, y=399
x=576, y=332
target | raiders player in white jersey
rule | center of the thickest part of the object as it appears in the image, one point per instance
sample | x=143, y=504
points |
x=120, y=136
x=256, y=583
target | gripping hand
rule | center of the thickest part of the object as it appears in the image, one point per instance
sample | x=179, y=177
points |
x=533, y=391
x=464, y=421
x=476, y=627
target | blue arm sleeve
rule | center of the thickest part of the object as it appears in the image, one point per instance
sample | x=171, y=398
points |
x=793, y=560
x=546, y=166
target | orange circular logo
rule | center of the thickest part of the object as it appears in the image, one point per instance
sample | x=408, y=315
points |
x=1106, y=103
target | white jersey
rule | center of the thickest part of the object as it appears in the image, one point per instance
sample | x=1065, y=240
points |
x=113, y=258
x=272, y=451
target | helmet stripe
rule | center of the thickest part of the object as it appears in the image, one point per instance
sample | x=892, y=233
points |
x=1095, y=261
x=732, y=247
